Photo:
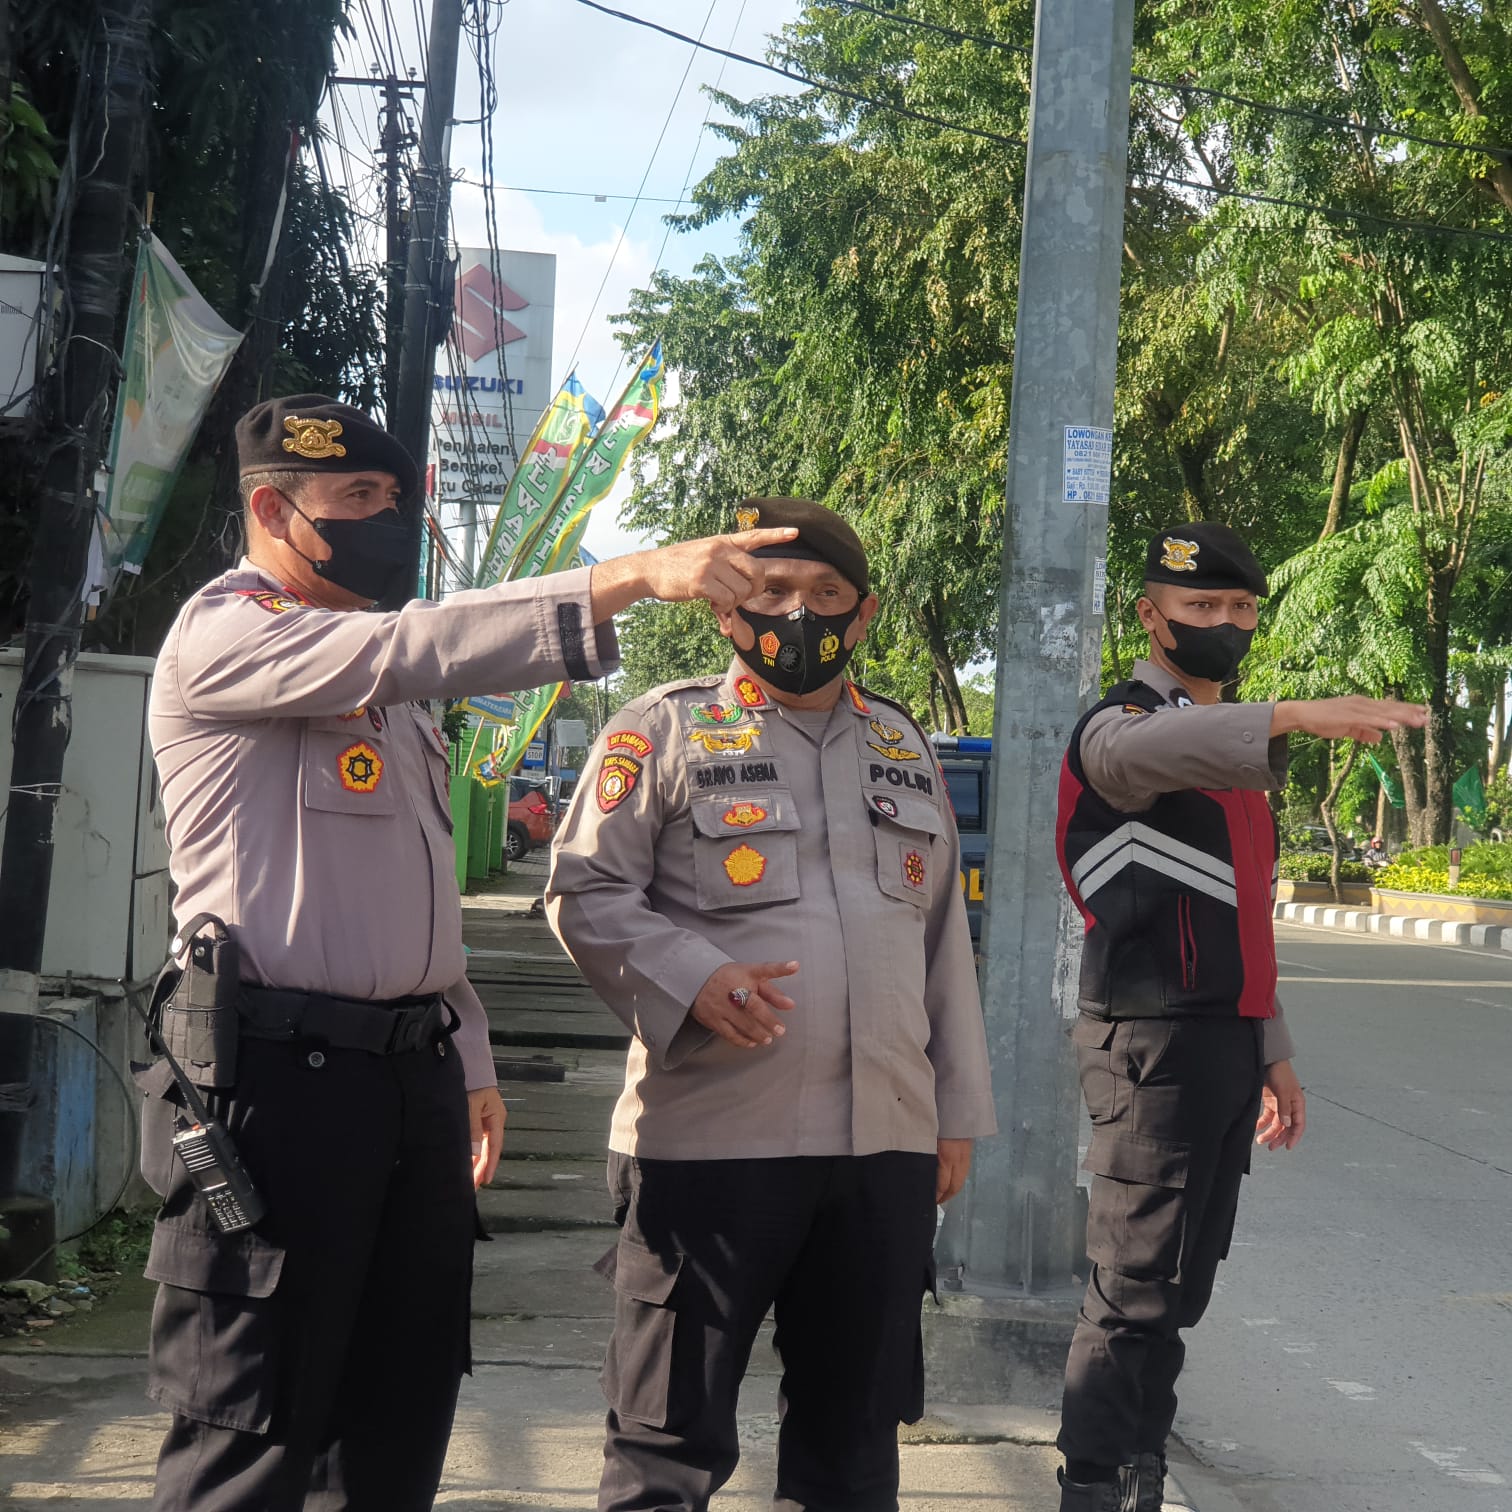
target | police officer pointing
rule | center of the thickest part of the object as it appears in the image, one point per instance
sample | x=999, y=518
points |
x=1169, y=850
x=313, y=1360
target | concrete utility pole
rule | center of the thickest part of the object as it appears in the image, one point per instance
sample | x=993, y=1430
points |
x=1016, y=1230
x=82, y=384
x=423, y=332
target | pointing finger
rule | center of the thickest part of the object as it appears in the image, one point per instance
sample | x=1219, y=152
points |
x=765, y=971
x=752, y=540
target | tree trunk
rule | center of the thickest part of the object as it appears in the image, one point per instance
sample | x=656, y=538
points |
x=944, y=670
x=1344, y=467
x=1329, y=805
x=1408, y=745
x=1383, y=808
x=1195, y=498
x=1498, y=173
x=1438, y=742
x=1500, y=734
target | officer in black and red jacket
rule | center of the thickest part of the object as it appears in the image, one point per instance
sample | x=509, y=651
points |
x=1168, y=847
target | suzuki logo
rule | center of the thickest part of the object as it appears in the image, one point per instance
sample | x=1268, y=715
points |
x=477, y=325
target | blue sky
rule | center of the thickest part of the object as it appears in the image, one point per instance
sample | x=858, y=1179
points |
x=583, y=98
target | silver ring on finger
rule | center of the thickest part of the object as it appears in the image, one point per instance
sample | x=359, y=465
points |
x=740, y=996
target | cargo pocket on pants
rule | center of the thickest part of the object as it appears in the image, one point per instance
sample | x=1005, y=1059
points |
x=638, y=1366
x=1136, y=1221
x=214, y=1350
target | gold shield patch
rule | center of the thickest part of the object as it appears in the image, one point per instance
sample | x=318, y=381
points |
x=360, y=768
x=745, y=866
x=725, y=742
x=743, y=815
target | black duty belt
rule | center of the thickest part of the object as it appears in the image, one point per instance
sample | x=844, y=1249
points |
x=381, y=1028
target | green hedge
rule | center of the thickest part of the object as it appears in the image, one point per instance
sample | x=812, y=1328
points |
x=1404, y=877
x=1486, y=858
x=1314, y=866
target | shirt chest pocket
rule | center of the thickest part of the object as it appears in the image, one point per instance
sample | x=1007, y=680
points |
x=348, y=770
x=905, y=828
x=745, y=851
x=437, y=760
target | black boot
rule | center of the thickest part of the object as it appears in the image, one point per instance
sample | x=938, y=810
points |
x=1094, y=1496
x=1144, y=1484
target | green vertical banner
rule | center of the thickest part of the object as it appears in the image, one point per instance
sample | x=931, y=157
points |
x=538, y=482
x=554, y=544
x=1389, y=781
x=177, y=351
x=1470, y=797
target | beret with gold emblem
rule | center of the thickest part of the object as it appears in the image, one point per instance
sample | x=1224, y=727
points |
x=1204, y=555
x=314, y=433
x=823, y=536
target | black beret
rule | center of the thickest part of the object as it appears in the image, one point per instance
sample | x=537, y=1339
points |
x=316, y=434
x=822, y=535
x=1204, y=555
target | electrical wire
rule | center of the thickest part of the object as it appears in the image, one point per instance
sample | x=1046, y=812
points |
x=1336, y=212
x=696, y=43
x=1182, y=87
x=818, y=84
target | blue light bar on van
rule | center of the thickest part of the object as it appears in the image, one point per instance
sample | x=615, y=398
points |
x=981, y=743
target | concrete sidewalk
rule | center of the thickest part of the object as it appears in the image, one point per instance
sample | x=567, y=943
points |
x=76, y=1429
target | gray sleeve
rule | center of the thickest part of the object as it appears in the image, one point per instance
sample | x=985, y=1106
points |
x=1278, y=1043
x=647, y=969
x=1131, y=756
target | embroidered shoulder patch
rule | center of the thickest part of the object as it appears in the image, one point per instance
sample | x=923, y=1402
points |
x=745, y=866
x=274, y=603
x=629, y=740
x=858, y=703
x=618, y=774
x=360, y=768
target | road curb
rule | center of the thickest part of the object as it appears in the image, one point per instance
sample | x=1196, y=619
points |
x=1492, y=937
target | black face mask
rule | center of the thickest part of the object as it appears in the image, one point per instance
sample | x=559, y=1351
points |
x=367, y=556
x=1209, y=652
x=798, y=652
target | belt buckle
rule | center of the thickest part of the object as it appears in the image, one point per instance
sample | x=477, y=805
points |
x=406, y=1032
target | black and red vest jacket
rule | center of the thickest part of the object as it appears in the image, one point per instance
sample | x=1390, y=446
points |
x=1176, y=898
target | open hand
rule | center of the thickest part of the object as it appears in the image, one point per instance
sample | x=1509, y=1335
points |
x=752, y=1023
x=485, y=1115
x=1283, y=1109
x=1352, y=718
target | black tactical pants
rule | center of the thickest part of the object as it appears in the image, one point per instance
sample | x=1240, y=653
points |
x=1173, y=1105
x=841, y=1248
x=314, y=1361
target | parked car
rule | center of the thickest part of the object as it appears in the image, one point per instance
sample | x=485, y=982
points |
x=967, y=761
x=530, y=819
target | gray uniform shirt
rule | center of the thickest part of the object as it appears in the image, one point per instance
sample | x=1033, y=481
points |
x=306, y=788
x=713, y=826
x=1132, y=759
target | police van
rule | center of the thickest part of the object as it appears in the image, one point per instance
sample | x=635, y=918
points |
x=967, y=763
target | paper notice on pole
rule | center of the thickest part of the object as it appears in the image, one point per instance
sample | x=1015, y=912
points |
x=1088, y=464
x=1099, y=584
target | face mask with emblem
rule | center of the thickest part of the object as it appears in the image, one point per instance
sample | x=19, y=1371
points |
x=1211, y=652
x=367, y=556
x=798, y=652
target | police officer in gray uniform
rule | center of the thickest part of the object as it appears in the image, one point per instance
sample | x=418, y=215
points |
x=314, y=1359
x=760, y=876
x=1169, y=849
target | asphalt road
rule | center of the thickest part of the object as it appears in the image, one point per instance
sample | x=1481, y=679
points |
x=1358, y=1354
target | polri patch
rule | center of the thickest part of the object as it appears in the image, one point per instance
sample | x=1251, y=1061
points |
x=618, y=774
x=745, y=866
x=360, y=768
x=743, y=815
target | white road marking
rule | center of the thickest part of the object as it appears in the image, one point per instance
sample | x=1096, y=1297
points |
x=1357, y=981
x=1487, y=1003
x=1356, y=1391
x=1299, y=965
x=1299, y=1346
x=1260, y=1322
x=1447, y=1458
